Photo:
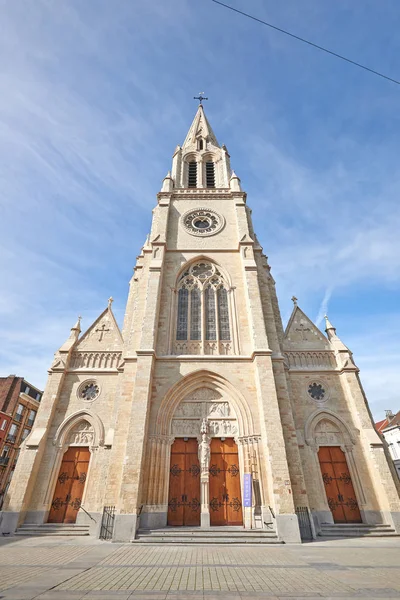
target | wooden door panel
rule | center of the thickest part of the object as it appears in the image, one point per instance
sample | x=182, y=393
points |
x=184, y=484
x=339, y=488
x=225, y=490
x=192, y=485
x=234, y=502
x=78, y=482
x=176, y=484
x=70, y=486
x=217, y=486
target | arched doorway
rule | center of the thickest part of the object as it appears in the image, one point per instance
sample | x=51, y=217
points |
x=332, y=442
x=76, y=437
x=204, y=474
x=70, y=485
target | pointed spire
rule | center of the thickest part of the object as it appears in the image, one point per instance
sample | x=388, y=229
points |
x=76, y=329
x=200, y=129
x=329, y=328
x=73, y=336
x=168, y=183
x=234, y=183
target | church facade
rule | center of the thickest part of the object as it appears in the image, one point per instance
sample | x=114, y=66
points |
x=203, y=411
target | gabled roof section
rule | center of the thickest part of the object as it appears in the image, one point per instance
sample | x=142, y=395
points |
x=200, y=128
x=103, y=335
x=393, y=421
x=302, y=334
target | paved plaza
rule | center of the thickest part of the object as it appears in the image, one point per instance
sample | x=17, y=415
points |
x=75, y=568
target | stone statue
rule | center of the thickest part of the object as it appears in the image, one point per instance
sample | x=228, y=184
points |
x=204, y=452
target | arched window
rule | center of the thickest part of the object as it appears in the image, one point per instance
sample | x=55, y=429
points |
x=210, y=174
x=202, y=322
x=192, y=174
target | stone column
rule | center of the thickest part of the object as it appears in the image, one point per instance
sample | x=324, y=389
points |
x=204, y=459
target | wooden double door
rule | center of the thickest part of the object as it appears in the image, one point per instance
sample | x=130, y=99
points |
x=70, y=486
x=339, y=487
x=184, y=503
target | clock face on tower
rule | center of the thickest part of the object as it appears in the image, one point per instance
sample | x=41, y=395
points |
x=202, y=222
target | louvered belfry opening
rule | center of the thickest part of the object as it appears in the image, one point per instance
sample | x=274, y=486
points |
x=192, y=176
x=210, y=174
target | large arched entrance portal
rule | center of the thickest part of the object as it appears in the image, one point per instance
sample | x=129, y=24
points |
x=201, y=450
x=204, y=474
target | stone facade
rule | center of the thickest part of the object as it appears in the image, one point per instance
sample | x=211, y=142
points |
x=202, y=354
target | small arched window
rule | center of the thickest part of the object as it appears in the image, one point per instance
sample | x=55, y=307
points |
x=210, y=174
x=192, y=174
x=200, y=144
x=203, y=311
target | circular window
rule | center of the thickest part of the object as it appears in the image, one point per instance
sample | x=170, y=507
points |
x=317, y=391
x=202, y=222
x=88, y=391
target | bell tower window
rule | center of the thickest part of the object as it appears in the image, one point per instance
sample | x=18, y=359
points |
x=203, y=316
x=210, y=174
x=192, y=174
x=200, y=144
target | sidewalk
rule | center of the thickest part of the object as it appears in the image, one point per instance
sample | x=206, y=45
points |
x=75, y=568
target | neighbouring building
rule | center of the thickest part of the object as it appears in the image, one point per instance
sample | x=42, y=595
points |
x=19, y=403
x=203, y=411
x=389, y=428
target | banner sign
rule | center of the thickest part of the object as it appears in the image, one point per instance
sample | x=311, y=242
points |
x=247, y=490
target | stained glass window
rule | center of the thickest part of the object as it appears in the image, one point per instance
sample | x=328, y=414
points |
x=209, y=301
x=182, y=327
x=223, y=313
x=195, y=314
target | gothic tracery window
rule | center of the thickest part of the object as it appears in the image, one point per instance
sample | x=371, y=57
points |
x=203, y=323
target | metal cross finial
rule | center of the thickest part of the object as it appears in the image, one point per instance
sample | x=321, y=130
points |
x=110, y=301
x=294, y=300
x=200, y=97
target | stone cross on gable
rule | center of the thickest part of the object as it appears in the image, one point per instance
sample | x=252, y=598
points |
x=303, y=331
x=102, y=331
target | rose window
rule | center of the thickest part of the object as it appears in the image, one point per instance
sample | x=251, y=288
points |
x=202, y=222
x=316, y=391
x=89, y=391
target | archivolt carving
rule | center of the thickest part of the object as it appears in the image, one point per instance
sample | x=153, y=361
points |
x=82, y=435
x=324, y=427
x=74, y=426
x=207, y=390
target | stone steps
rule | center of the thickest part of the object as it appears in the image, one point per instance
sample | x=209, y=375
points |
x=52, y=529
x=350, y=530
x=211, y=535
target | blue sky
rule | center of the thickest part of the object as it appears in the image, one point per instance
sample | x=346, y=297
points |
x=95, y=96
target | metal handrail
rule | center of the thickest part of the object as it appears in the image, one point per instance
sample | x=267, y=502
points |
x=88, y=514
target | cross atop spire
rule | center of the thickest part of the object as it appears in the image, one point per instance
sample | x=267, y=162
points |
x=200, y=97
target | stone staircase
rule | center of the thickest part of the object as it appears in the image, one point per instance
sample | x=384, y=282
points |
x=209, y=535
x=354, y=530
x=49, y=529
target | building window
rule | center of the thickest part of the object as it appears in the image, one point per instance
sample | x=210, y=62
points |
x=195, y=314
x=38, y=397
x=202, y=309
x=200, y=144
x=211, y=331
x=223, y=310
x=27, y=389
x=25, y=433
x=183, y=297
x=192, y=174
x=31, y=418
x=210, y=174
x=4, y=424
x=20, y=409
